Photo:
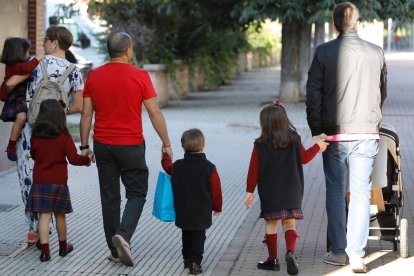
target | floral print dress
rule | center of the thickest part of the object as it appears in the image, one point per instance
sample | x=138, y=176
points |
x=55, y=67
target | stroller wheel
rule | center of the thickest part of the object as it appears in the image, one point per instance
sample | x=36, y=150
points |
x=404, y=238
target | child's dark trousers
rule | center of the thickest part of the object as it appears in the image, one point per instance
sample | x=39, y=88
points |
x=193, y=245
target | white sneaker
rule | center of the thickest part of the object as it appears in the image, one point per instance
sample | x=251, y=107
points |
x=357, y=264
x=122, y=247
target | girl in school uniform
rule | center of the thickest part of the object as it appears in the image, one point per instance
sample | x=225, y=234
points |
x=51, y=147
x=276, y=169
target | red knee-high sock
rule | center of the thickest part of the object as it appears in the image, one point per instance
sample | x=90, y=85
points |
x=290, y=238
x=271, y=242
x=63, y=245
x=44, y=248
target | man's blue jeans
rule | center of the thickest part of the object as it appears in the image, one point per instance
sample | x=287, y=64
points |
x=353, y=161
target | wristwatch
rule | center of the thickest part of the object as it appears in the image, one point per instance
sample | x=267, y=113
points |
x=84, y=147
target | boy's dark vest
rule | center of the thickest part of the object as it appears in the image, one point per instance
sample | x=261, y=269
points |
x=193, y=201
x=280, y=183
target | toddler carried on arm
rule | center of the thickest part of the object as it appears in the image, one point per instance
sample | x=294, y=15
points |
x=15, y=55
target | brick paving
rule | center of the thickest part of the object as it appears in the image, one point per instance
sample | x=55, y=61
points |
x=229, y=120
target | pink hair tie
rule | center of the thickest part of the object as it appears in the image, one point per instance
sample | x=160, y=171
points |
x=278, y=103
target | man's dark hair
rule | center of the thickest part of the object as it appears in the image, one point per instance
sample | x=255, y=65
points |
x=345, y=16
x=15, y=50
x=118, y=44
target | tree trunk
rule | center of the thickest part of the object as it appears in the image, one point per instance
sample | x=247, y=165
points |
x=305, y=32
x=296, y=40
x=319, y=37
x=289, y=85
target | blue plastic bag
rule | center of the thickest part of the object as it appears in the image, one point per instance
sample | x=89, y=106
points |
x=163, y=208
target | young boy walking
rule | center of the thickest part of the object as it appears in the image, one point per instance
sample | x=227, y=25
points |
x=197, y=193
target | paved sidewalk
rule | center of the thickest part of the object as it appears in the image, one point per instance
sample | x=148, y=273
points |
x=229, y=120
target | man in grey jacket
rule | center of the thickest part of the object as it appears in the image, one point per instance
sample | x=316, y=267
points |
x=344, y=94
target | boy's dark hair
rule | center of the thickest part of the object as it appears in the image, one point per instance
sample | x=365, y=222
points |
x=51, y=121
x=276, y=127
x=118, y=44
x=15, y=50
x=345, y=16
x=62, y=35
x=192, y=140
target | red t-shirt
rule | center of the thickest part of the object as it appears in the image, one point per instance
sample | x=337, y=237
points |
x=117, y=91
x=49, y=154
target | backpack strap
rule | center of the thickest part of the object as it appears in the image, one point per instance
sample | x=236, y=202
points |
x=44, y=70
x=66, y=74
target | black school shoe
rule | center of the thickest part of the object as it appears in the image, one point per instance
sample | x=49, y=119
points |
x=38, y=244
x=195, y=269
x=269, y=265
x=292, y=263
x=44, y=257
x=63, y=252
x=187, y=263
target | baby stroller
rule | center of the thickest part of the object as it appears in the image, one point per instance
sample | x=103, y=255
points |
x=386, y=222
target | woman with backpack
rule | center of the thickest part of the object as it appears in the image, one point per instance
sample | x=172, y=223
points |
x=56, y=42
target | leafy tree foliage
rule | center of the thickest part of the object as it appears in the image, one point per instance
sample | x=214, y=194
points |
x=211, y=33
x=200, y=32
x=297, y=16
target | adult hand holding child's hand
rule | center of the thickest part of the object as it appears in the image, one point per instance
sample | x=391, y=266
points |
x=167, y=150
x=89, y=153
x=321, y=141
x=91, y=156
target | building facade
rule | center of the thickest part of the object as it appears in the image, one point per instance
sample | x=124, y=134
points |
x=19, y=18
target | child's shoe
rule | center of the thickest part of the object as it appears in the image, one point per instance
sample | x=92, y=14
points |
x=11, y=151
x=195, y=269
x=65, y=251
x=187, y=263
x=269, y=265
x=44, y=257
x=38, y=246
x=292, y=263
x=31, y=237
x=45, y=254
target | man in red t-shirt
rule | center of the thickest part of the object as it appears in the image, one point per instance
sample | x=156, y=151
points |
x=115, y=92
